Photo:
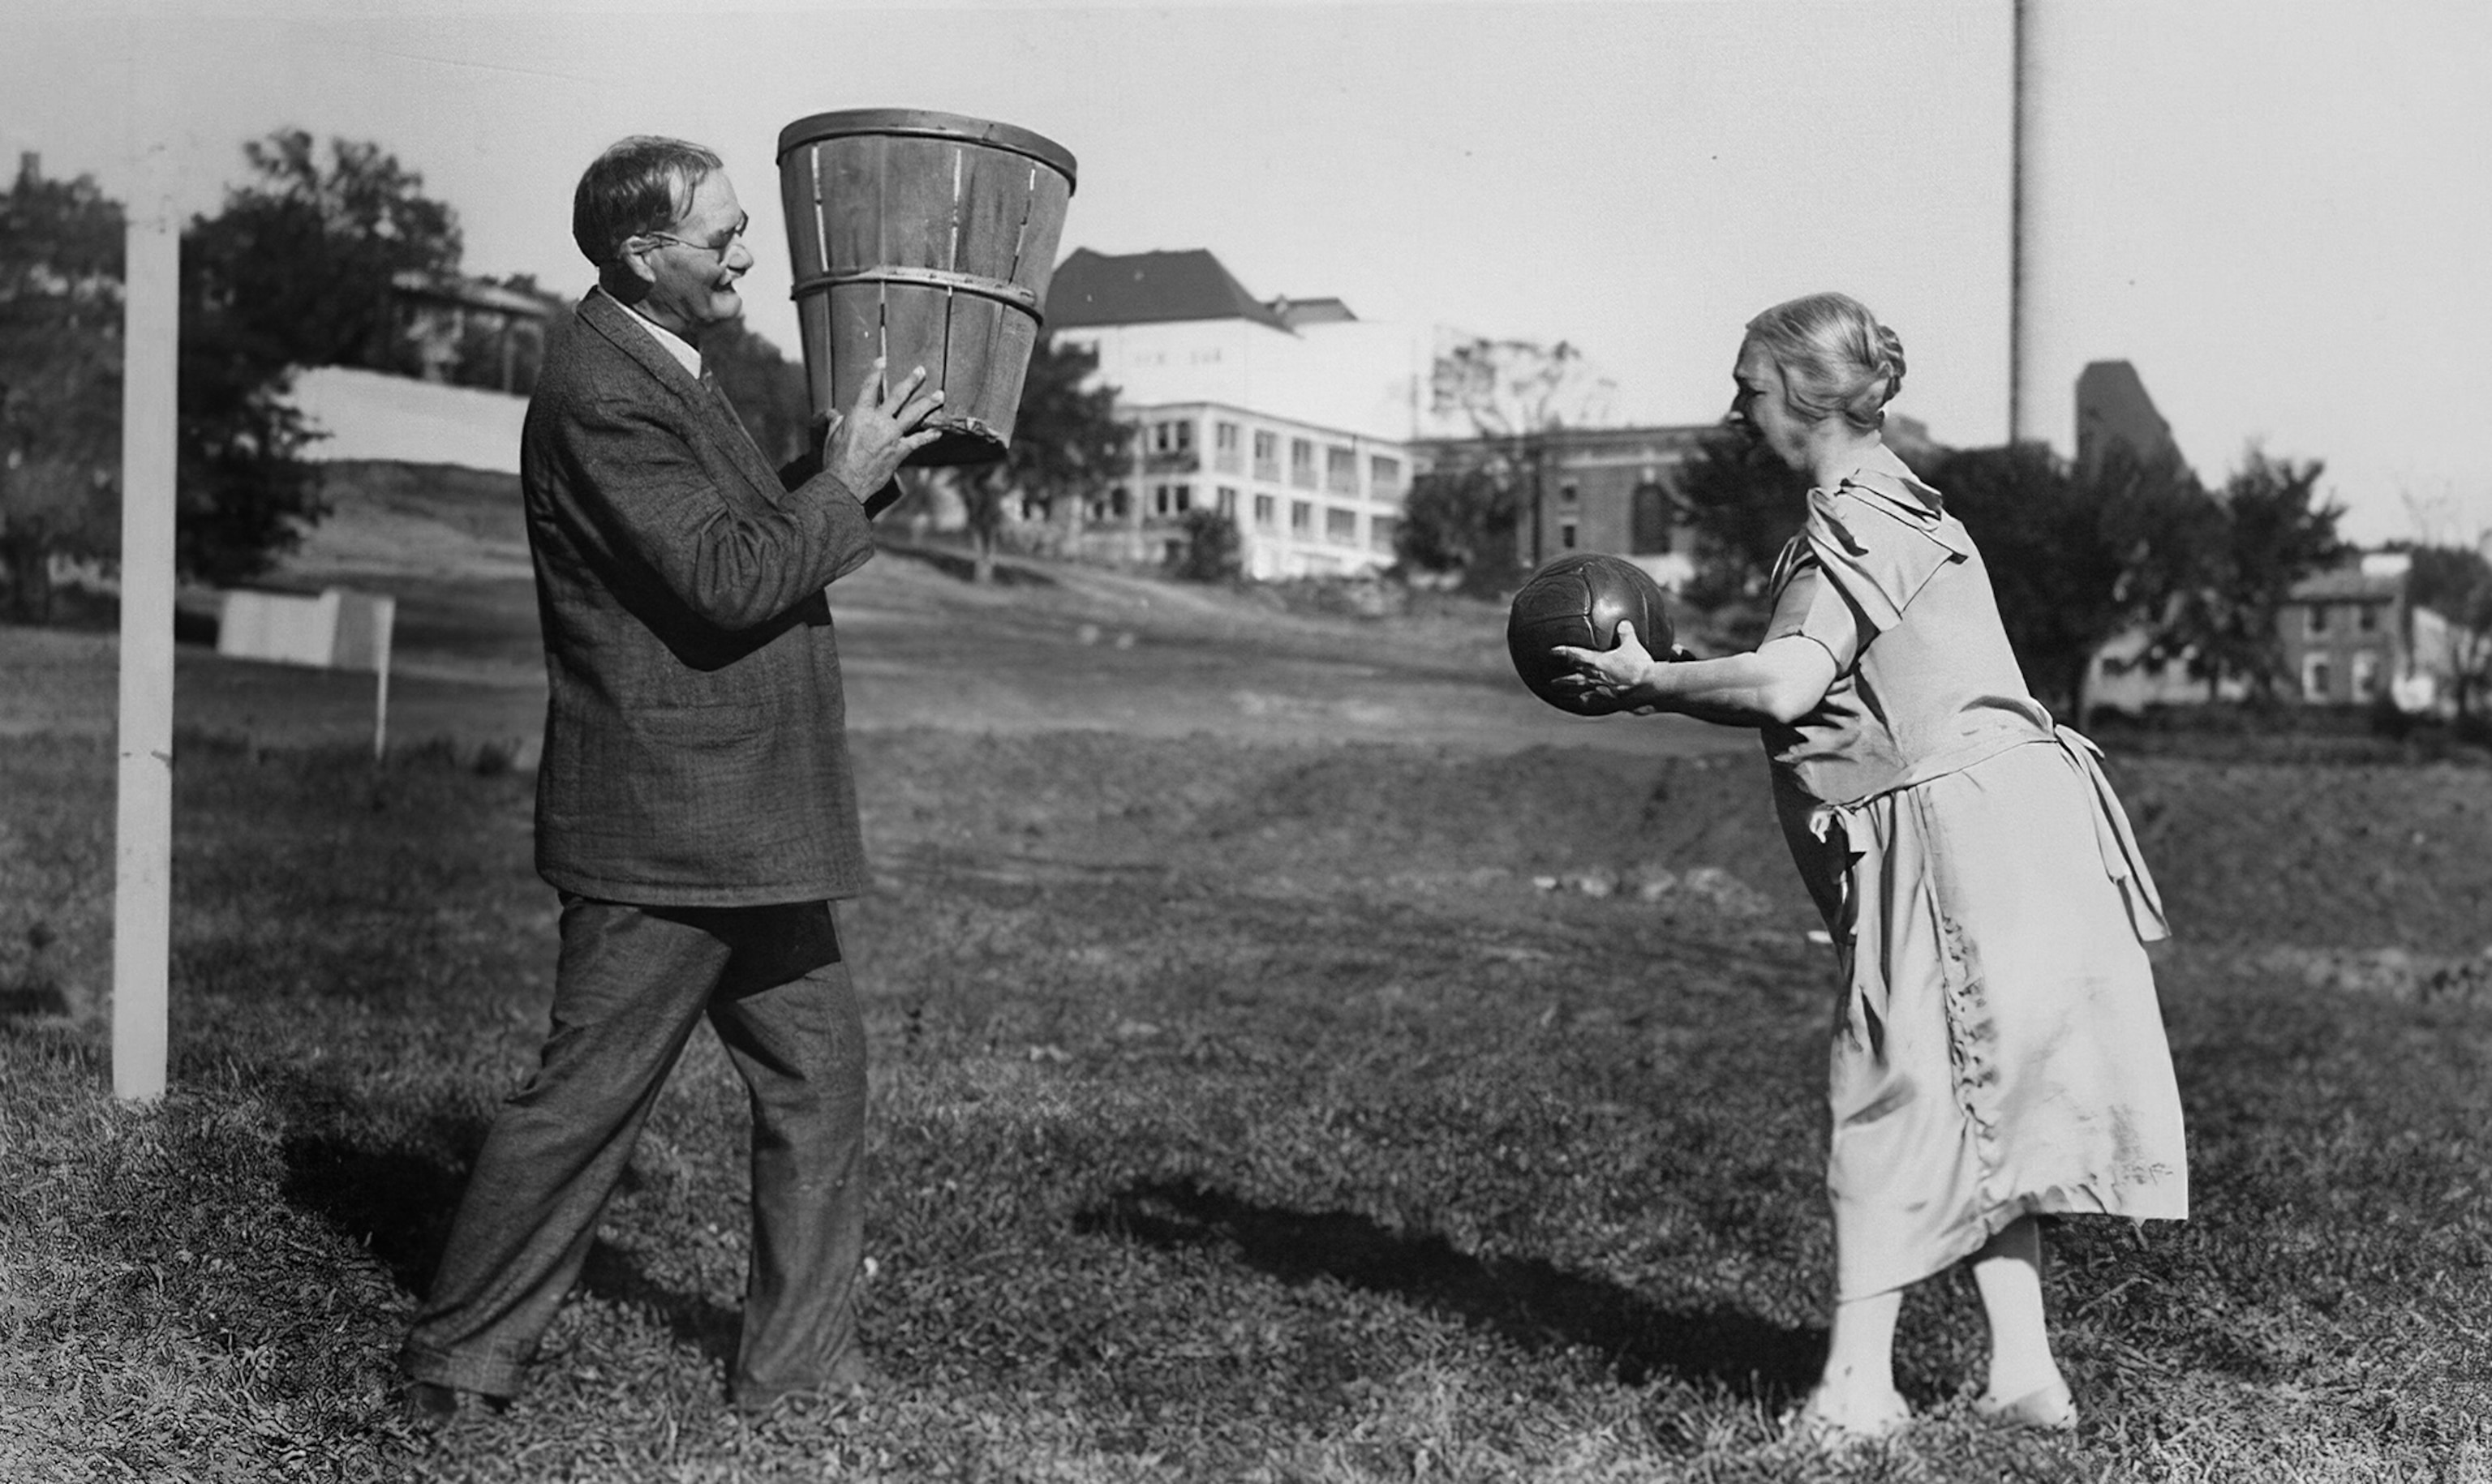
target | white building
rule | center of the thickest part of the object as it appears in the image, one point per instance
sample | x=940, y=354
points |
x=1290, y=417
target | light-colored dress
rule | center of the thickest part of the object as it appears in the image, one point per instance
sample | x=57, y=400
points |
x=1999, y=1049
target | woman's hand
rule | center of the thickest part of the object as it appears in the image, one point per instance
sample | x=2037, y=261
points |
x=1608, y=679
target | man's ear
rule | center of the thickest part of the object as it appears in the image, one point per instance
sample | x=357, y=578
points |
x=633, y=262
x=627, y=279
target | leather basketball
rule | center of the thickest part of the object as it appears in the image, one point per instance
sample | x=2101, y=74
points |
x=1579, y=600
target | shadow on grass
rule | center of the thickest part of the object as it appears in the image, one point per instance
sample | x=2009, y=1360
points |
x=399, y=1203
x=1528, y=1301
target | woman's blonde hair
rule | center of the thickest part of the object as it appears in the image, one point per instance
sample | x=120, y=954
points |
x=1834, y=356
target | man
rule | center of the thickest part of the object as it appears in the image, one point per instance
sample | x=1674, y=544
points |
x=694, y=808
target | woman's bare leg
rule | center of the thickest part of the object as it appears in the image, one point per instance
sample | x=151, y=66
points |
x=1857, y=1391
x=2008, y=1272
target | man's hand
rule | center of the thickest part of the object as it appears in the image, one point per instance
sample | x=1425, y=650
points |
x=864, y=449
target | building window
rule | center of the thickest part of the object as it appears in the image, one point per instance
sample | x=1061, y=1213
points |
x=1568, y=493
x=1267, y=457
x=1341, y=470
x=1565, y=536
x=2364, y=670
x=1384, y=474
x=1159, y=500
x=1303, y=463
x=1264, y=512
x=2316, y=621
x=2314, y=677
x=1379, y=533
x=1224, y=457
x=1341, y=526
x=2366, y=619
x=1176, y=437
x=1184, y=498
x=1648, y=519
x=1303, y=516
x=1120, y=501
x=1227, y=498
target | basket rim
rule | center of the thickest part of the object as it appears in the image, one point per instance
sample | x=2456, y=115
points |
x=928, y=123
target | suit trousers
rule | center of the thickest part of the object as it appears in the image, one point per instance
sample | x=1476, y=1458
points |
x=631, y=984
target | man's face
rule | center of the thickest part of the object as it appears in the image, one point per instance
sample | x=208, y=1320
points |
x=692, y=267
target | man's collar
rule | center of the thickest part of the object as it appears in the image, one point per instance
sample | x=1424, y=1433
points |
x=685, y=354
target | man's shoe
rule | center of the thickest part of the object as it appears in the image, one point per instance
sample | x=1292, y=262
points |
x=853, y=1379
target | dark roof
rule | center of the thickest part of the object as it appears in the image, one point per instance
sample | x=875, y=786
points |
x=473, y=294
x=1149, y=288
x=1311, y=312
x=2346, y=583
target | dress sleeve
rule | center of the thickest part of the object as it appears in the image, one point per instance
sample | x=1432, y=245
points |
x=1876, y=553
x=1811, y=607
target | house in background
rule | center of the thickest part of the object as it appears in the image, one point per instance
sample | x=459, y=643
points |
x=1290, y=417
x=471, y=332
x=2353, y=636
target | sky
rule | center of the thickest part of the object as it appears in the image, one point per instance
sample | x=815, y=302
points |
x=2278, y=211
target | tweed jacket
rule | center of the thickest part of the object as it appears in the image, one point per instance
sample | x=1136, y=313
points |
x=694, y=747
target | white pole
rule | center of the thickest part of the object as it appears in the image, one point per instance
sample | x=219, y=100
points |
x=384, y=616
x=2041, y=382
x=143, y=829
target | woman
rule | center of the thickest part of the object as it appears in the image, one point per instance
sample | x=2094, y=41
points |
x=2000, y=1052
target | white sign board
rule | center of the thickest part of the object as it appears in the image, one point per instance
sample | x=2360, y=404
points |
x=337, y=630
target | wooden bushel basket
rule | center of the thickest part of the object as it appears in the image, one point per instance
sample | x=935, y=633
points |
x=927, y=238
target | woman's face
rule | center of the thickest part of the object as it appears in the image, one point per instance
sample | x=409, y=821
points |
x=1761, y=410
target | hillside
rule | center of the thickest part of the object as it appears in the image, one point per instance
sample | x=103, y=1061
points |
x=1054, y=645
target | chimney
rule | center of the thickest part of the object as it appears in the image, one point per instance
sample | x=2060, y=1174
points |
x=30, y=169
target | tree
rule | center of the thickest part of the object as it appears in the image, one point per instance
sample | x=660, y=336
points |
x=768, y=391
x=1509, y=390
x=1465, y=518
x=243, y=492
x=1211, y=550
x=1743, y=505
x=295, y=270
x=60, y=268
x=299, y=263
x=2455, y=583
x=2269, y=530
x=1067, y=446
x=1462, y=520
x=2075, y=556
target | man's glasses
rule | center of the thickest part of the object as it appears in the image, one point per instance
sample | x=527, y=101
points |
x=719, y=248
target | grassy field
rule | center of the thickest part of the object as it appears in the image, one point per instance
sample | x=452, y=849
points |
x=1280, y=1096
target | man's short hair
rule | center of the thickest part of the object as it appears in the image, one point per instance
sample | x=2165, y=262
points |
x=640, y=184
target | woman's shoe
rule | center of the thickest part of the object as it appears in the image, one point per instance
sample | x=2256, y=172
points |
x=1810, y=1425
x=2047, y=1409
